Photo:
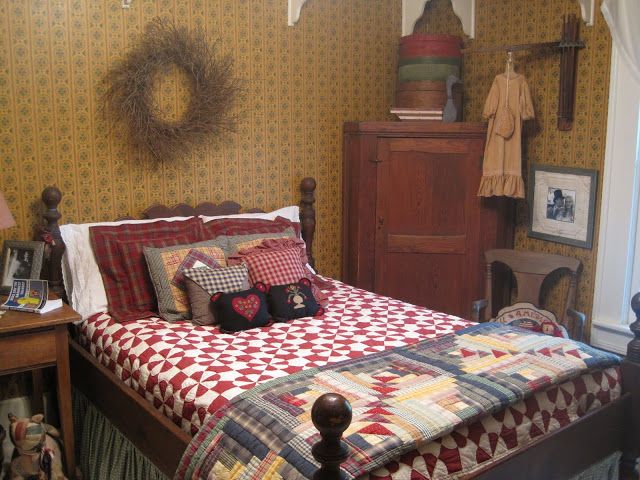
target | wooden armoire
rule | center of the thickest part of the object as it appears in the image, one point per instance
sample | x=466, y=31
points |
x=413, y=226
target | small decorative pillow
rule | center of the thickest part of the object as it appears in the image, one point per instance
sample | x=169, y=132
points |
x=526, y=315
x=166, y=268
x=203, y=282
x=241, y=310
x=294, y=300
x=277, y=262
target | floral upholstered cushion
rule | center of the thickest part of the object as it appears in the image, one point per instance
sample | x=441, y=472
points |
x=527, y=315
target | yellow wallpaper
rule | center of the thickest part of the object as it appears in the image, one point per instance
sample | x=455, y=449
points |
x=302, y=83
x=504, y=22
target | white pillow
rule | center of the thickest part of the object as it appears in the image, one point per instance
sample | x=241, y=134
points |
x=290, y=213
x=80, y=272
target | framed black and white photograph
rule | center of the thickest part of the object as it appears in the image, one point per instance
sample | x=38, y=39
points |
x=562, y=204
x=20, y=259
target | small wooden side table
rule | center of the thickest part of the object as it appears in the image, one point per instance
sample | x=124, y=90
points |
x=31, y=341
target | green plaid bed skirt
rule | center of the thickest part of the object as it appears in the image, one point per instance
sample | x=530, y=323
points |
x=103, y=452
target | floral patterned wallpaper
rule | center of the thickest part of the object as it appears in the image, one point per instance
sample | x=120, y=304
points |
x=301, y=84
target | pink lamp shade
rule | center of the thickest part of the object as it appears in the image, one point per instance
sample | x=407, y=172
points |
x=6, y=219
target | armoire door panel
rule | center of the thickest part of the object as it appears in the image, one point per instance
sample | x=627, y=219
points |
x=453, y=244
x=423, y=193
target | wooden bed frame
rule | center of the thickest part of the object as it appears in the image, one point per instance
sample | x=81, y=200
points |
x=559, y=455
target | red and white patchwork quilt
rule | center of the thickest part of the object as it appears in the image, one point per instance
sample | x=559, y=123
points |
x=188, y=372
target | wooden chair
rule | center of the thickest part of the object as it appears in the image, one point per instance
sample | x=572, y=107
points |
x=530, y=269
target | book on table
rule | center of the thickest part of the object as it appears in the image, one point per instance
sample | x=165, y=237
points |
x=30, y=296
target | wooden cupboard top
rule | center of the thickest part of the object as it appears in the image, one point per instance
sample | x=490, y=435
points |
x=418, y=127
x=13, y=321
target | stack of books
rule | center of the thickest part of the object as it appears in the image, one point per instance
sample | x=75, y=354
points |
x=417, y=114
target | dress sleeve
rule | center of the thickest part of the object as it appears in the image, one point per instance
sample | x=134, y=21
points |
x=491, y=103
x=526, y=105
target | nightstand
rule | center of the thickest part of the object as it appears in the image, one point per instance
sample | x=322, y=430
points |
x=31, y=341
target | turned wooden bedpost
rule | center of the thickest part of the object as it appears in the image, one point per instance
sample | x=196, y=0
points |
x=51, y=196
x=308, y=215
x=331, y=415
x=631, y=384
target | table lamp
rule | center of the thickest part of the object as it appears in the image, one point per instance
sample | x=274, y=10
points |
x=6, y=219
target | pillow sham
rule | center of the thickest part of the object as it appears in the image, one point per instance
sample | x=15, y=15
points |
x=294, y=300
x=203, y=282
x=166, y=267
x=526, y=315
x=233, y=243
x=80, y=272
x=244, y=226
x=241, y=310
x=119, y=254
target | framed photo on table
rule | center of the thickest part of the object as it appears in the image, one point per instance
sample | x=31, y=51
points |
x=562, y=204
x=20, y=259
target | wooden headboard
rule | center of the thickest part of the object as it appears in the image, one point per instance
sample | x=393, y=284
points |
x=51, y=196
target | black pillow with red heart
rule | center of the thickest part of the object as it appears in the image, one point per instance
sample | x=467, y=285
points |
x=241, y=310
x=294, y=300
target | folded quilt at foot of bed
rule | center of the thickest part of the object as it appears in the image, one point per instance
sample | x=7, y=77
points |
x=401, y=399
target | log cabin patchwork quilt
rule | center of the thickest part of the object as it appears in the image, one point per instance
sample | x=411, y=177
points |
x=402, y=399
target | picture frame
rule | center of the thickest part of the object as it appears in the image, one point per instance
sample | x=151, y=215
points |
x=562, y=204
x=20, y=259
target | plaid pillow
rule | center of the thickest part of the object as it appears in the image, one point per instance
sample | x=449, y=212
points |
x=246, y=226
x=120, y=258
x=166, y=267
x=278, y=262
x=203, y=282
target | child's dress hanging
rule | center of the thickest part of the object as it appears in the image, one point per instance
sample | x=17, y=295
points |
x=508, y=104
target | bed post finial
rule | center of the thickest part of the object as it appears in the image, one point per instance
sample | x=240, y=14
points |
x=631, y=384
x=52, y=271
x=308, y=215
x=331, y=415
x=633, y=349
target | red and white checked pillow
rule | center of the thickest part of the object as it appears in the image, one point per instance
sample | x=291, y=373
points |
x=119, y=253
x=277, y=262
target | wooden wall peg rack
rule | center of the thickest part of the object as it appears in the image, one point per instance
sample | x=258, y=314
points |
x=568, y=45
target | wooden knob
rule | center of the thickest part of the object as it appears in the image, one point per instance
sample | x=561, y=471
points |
x=308, y=184
x=331, y=415
x=635, y=305
x=51, y=196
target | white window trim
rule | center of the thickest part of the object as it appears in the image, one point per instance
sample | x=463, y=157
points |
x=618, y=262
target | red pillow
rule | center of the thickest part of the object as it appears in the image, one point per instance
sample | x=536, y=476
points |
x=277, y=262
x=120, y=257
x=248, y=226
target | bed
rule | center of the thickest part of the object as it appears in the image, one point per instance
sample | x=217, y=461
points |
x=147, y=413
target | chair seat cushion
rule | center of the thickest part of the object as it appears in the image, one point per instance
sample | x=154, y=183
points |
x=527, y=315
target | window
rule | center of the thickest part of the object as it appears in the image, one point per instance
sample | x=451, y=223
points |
x=618, y=264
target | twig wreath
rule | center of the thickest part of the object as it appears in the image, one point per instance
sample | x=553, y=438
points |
x=213, y=88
